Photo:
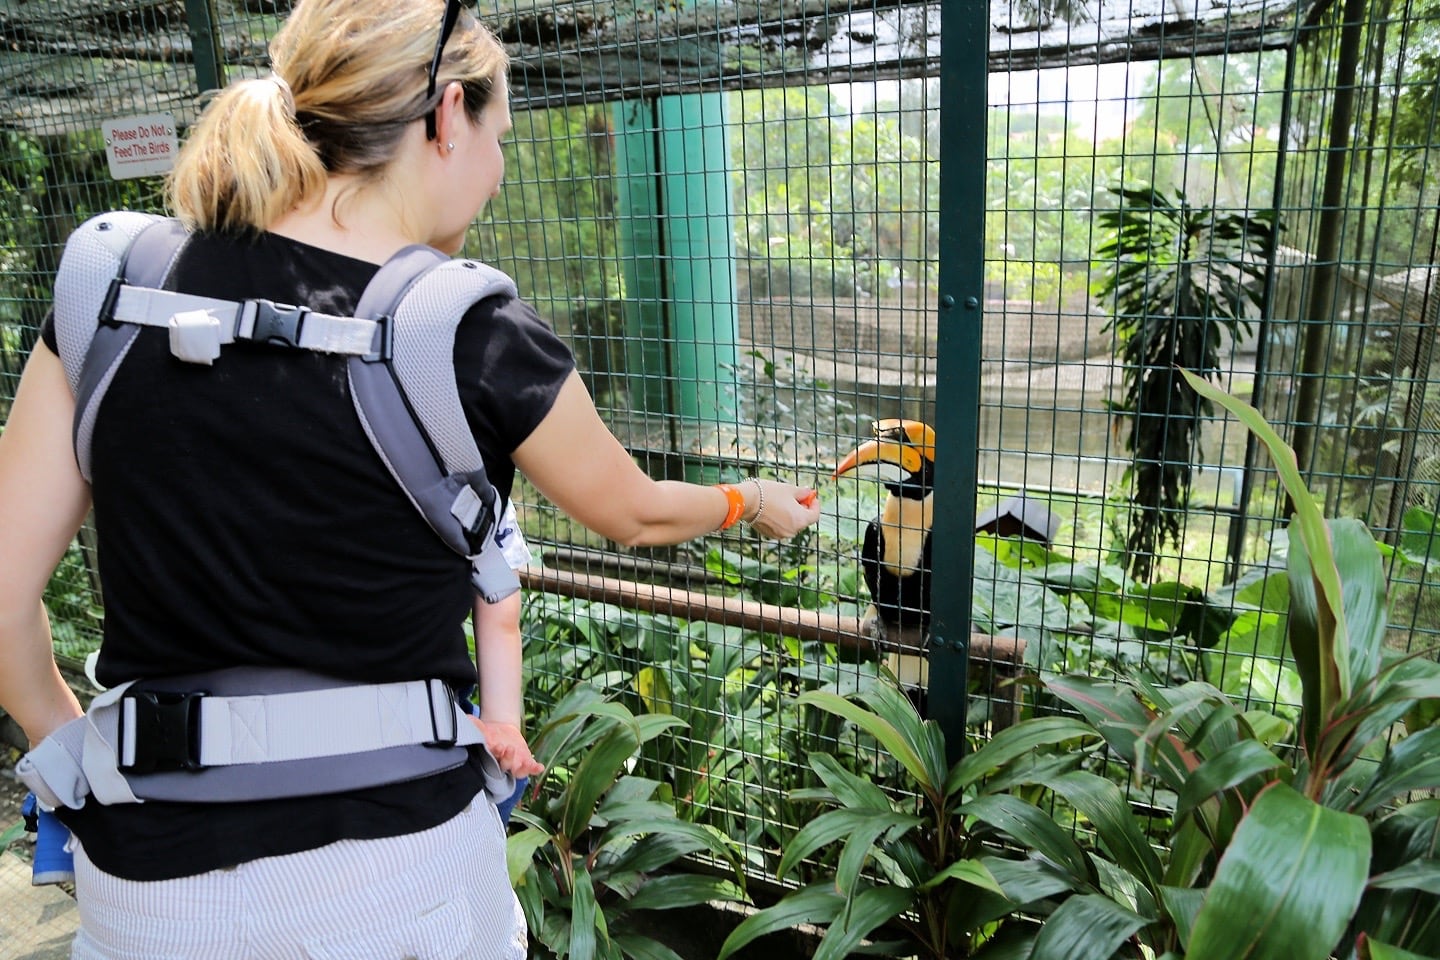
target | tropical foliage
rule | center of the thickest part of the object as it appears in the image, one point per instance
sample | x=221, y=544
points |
x=1239, y=834
x=1175, y=278
x=589, y=852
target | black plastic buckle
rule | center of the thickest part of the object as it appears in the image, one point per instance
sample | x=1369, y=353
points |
x=277, y=323
x=439, y=741
x=167, y=730
x=112, y=297
x=480, y=531
x=384, y=341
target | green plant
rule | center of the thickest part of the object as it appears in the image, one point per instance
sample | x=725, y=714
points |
x=925, y=873
x=1176, y=275
x=1234, y=839
x=597, y=848
x=10, y=834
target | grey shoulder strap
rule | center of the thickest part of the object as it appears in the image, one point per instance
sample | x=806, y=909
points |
x=406, y=399
x=102, y=254
x=402, y=378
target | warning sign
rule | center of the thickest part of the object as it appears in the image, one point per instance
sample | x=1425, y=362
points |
x=140, y=146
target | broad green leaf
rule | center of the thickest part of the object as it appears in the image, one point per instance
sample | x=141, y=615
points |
x=654, y=689
x=1411, y=764
x=860, y=845
x=1287, y=885
x=1182, y=904
x=834, y=825
x=532, y=904
x=1420, y=542
x=868, y=910
x=1312, y=631
x=1362, y=587
x=1028, y=881
x=692, y=836
x=1415, y=875
x=1232, y=766
x=652, y=725
x=1033, y=829
x=1014, y=742
x=850, y=789
x=520, y=852
x=595, y=774
x=923, y=736
x=682, y=890
x=658, y=850
x=1119, y=830
x=1012, y=942
x=585, y=919
x=818, y=904
x=1404, y=917
x=1266, y=727
x=899, y=746
x=639, y=947
x=1375, y=950
x=972, y=872
x=1089, y=925
x=1122, y=719
x=1329, y=660
x=1191, y=847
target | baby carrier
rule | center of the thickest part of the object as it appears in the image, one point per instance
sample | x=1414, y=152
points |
x=263, y=733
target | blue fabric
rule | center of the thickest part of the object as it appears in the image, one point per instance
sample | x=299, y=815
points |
x=53, y=863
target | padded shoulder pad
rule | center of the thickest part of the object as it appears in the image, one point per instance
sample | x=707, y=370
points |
x=424, y=351
x=94, y=255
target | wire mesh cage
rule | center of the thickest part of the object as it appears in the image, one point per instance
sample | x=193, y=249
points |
x=733, y=213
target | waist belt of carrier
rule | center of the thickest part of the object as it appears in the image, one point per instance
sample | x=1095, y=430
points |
x=215, y=738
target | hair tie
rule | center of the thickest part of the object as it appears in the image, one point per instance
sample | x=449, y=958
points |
x=285, y=91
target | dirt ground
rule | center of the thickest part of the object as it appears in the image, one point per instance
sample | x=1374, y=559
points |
x=12, y=794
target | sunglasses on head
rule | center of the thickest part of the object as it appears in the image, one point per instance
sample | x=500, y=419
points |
x=447, y=27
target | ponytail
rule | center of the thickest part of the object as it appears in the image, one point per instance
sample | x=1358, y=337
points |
x=246, y=162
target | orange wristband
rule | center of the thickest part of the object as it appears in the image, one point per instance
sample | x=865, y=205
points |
x=736, y=501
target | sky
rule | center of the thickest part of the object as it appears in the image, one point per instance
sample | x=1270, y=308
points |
x=1094, y=94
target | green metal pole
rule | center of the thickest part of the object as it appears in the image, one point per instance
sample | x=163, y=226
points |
x=205, y=44
x=700, y=253
x=678, y=260
x=639, y=208
x=964, y=32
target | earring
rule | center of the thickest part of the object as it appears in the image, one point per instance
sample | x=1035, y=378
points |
x=450, y=146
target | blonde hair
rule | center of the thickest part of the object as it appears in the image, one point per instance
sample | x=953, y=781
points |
x=349, y=77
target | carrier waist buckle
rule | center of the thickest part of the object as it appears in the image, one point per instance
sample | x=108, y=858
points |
x=159, y=730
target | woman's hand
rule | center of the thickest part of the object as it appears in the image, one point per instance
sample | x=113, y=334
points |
x=781, y=509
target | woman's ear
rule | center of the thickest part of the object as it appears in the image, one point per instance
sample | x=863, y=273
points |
x=450, y=116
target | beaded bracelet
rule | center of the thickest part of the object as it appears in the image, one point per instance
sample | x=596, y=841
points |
x=736, y=504
x=760, y=501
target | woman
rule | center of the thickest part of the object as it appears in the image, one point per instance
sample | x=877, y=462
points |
x=245, y=519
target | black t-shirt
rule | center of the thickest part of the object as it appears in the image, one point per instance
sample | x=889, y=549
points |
x=244, y=518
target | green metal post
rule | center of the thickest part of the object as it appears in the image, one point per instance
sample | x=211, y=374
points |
x=964, y=31
x=678, y=258
x=639, y=208
x=700, y=253
x=205, y=44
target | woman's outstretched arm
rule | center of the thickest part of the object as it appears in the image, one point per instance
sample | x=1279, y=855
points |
x=575, y=461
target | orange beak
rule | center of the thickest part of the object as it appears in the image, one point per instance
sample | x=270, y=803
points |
x=908, y=443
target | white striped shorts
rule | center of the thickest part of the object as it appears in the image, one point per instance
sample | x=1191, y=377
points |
x=441, y=894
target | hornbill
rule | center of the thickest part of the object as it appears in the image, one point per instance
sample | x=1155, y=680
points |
x=896, y=555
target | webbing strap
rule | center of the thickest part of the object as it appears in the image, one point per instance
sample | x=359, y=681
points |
x=261, y=746
x=322, y=723
x=321, y=332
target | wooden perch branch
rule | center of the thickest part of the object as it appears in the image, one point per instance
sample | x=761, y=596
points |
x=747, y=614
